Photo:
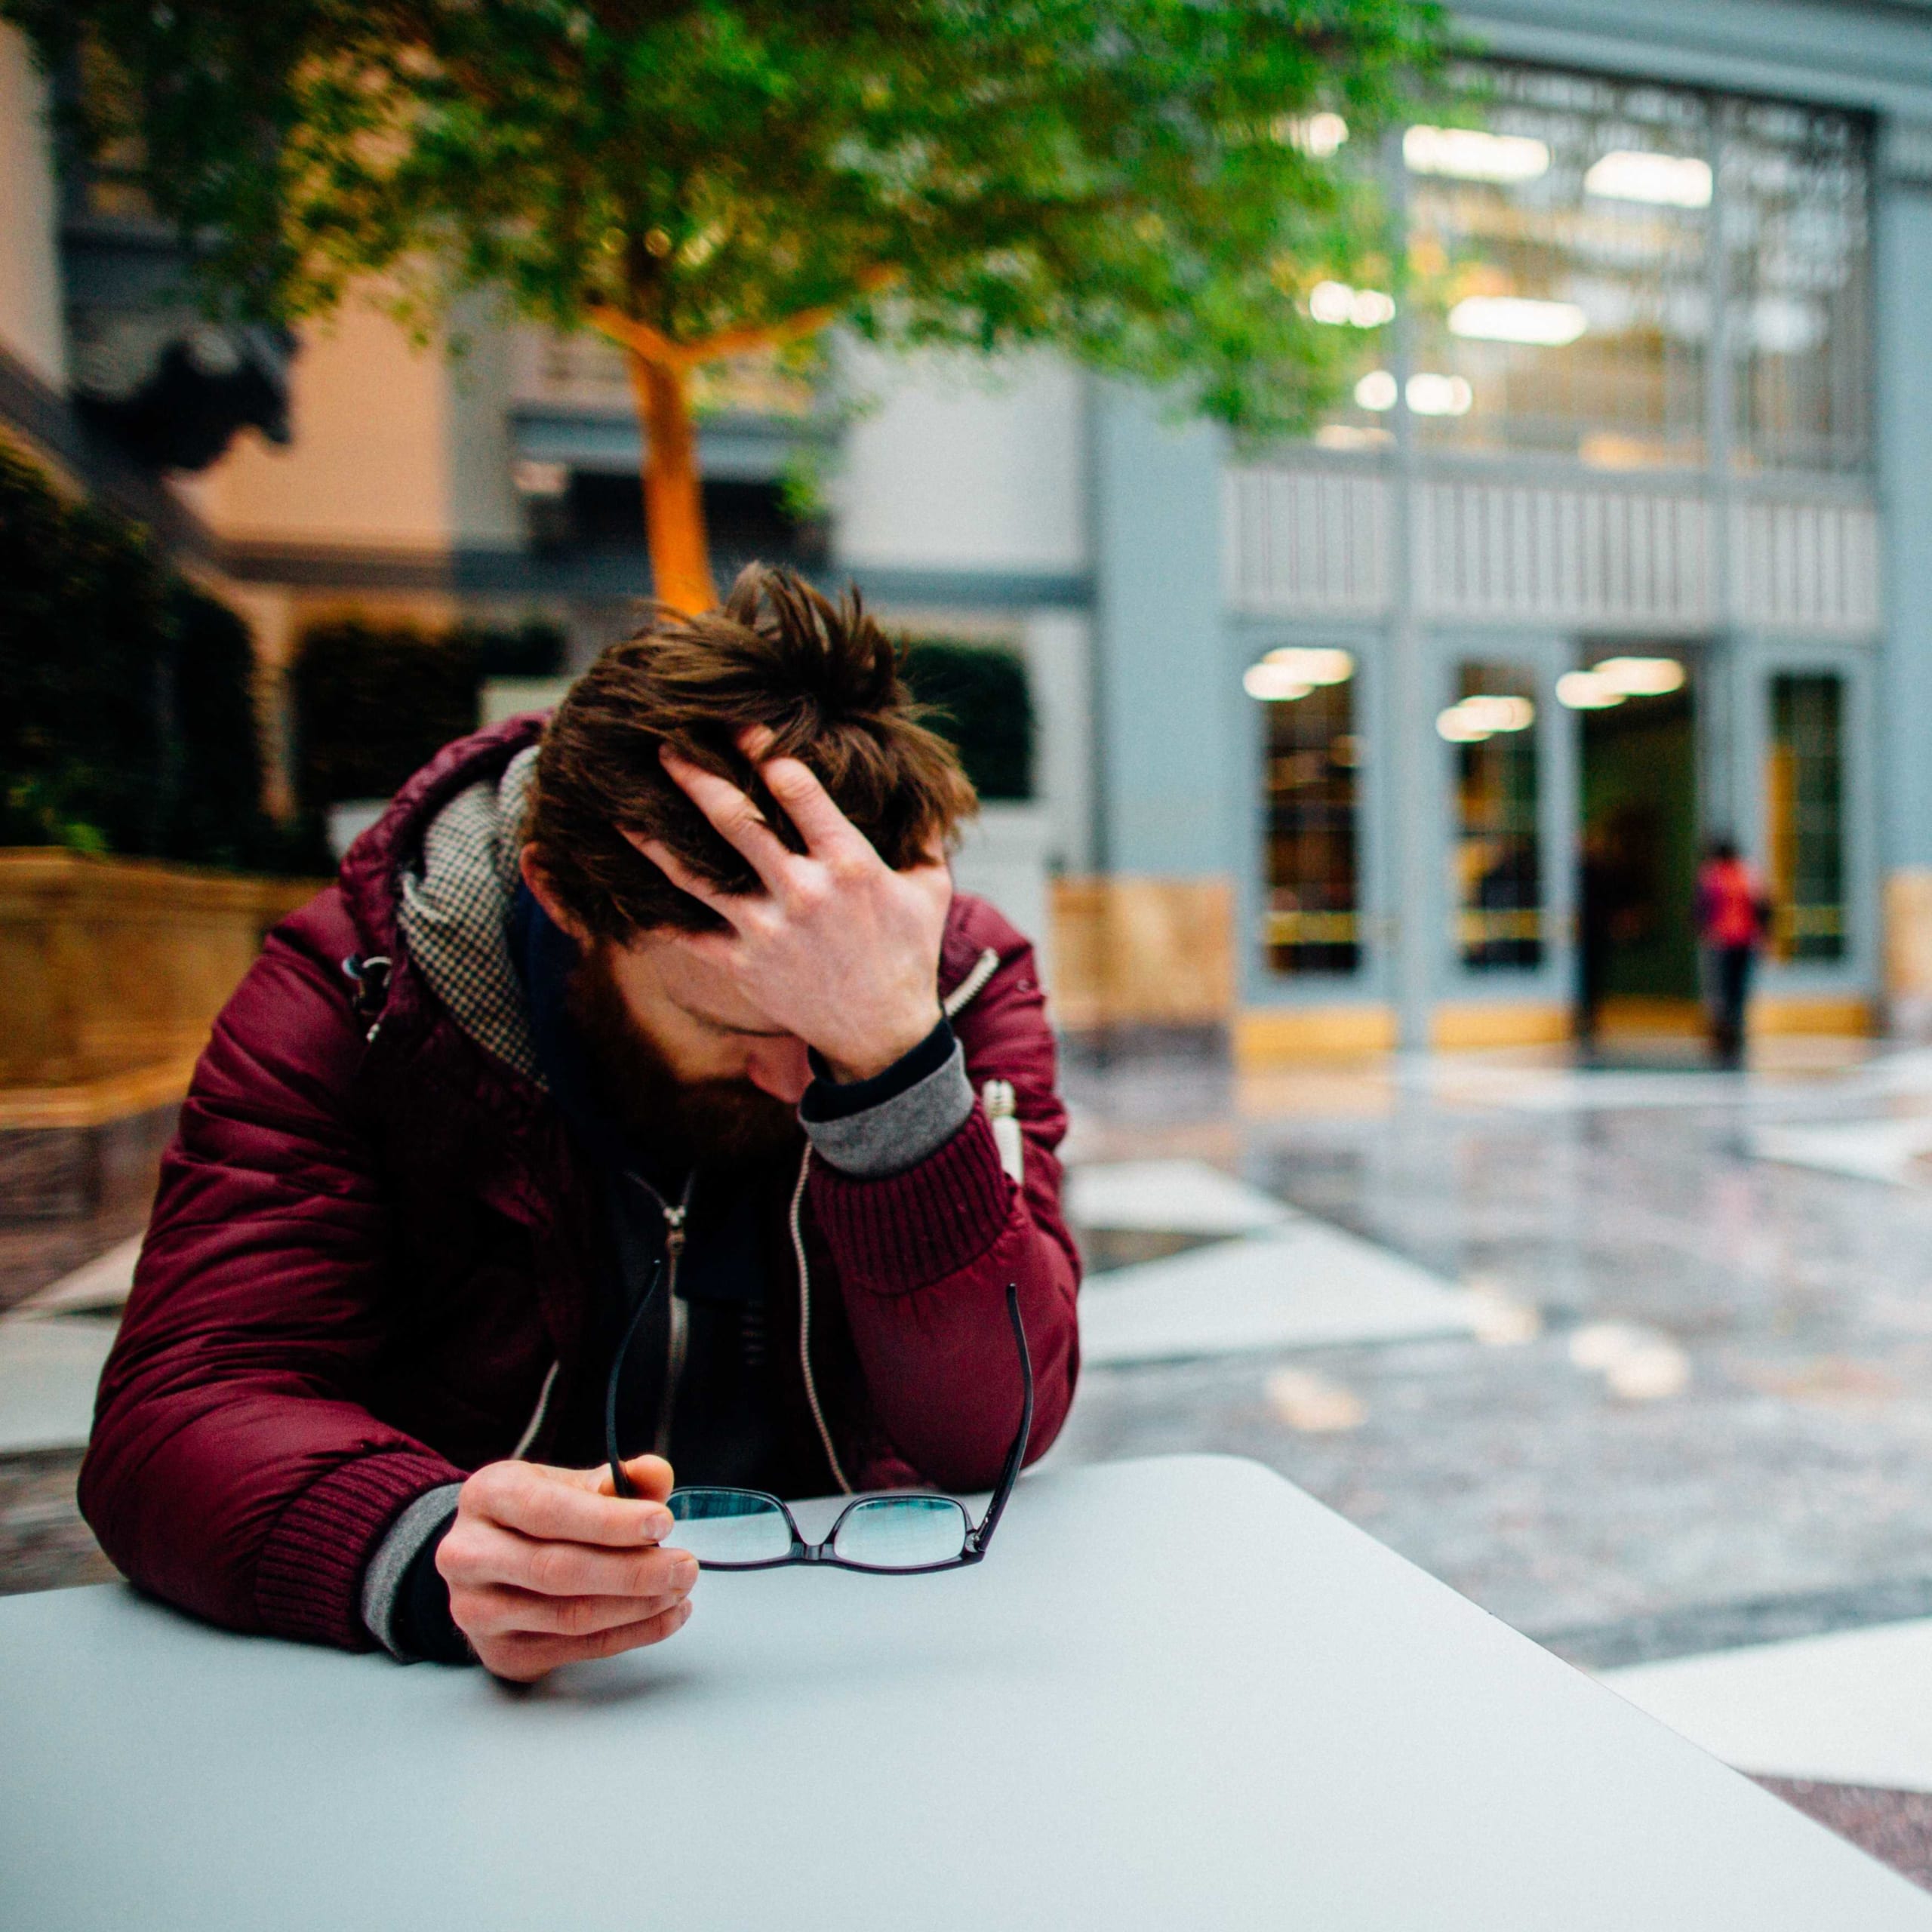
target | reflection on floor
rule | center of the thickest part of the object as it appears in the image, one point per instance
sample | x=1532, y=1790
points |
x=52, y=1346
x=1852, y=1708
x=1305, y=1285
x=1183, y=1196
x=1660, y=1324
x=48, y=1371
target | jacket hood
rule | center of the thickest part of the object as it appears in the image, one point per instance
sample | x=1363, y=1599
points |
x=432, y=882
x=430, y=885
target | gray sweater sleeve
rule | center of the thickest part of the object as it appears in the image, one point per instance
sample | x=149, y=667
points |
x=383, y=1580
x=886, y=1124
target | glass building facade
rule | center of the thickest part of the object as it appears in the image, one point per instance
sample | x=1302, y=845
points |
x=1596, y=528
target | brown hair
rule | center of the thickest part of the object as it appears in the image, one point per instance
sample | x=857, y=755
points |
x=822, y=676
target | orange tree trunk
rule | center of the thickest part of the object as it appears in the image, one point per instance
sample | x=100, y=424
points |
x=673, y=501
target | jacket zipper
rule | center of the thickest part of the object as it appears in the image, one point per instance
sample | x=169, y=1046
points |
x=524, y=1442
x=679, y=1341
x=961, y=996
x=1002, y=1107
x=805, y=1323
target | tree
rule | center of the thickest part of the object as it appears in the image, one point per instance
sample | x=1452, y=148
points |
x=1146, y=184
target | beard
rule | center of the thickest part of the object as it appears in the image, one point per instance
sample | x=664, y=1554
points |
x=696, y=1123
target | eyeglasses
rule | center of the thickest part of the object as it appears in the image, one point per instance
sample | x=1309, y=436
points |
x=901, y=1533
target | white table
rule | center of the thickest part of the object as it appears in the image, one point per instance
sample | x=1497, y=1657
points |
x=1179, y=1694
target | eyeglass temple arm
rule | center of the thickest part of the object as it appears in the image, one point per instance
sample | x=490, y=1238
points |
x=620, y=1482
x=1008, y=1476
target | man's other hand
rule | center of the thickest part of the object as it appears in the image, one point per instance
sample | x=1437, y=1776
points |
x=837, y=948
x=547, y=1566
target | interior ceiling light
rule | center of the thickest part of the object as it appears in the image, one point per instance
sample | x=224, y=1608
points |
x=1499, y=714
x=1432, y=395
x=1640, y=677
x=1468, y=154
x=1460, y=729
x=1664, y=180
x=1274, y=684
x=1348, y=436
x=1313, y=665
x=1376, y=390
x=1338, y=305
x=1483, y=715
x=1517, y=319
x=1319, y=135
x=1584, y=690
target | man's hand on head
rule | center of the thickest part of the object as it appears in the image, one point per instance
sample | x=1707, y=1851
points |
x=837, y=948
x=547, y=1567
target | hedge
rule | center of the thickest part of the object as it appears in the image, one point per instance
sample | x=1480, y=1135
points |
x=977, y=697
x=373, y=703
x=127, y=704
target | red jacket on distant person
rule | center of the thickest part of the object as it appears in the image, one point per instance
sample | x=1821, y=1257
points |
x=1732, y=908
x=372, y=1262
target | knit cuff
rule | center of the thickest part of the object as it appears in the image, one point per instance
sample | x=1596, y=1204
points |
x=898, y=1130
x=308, y=1578
x=389, y=1569
x=908, y=1230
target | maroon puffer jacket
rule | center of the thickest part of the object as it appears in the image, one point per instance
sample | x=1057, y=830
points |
x=367, y=1254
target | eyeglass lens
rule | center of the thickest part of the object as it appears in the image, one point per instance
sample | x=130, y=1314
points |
x=727, y=1526
x=902, y=1533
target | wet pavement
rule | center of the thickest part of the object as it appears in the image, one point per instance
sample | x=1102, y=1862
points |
x=1706, y=1416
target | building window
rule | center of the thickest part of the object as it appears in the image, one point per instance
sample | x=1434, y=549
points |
x=1795, y=189
x=1311, y=923
x=1498, y=882
x=1562, y=298
x=1804, y=800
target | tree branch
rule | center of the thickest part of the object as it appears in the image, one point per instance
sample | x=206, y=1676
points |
x=654, y=346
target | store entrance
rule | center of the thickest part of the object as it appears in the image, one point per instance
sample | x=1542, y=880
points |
x=1638, y=864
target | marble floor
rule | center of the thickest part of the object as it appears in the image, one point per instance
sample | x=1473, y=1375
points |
x=1695, y=1392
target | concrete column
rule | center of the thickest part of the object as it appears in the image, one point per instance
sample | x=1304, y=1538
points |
x=1151, y=941
x=1904, y=306
x=1168, y=776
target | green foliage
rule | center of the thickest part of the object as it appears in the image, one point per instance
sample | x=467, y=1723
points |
x=127, y=710
x=1126, y=179
x=978, y=699
x=373, y=703
x=532, y=649
x=216, y=783
x=82, y=632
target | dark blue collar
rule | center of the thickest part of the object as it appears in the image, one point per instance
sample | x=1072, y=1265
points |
x=545, y=956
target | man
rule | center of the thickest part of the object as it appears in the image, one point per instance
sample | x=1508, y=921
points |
x=676, y=982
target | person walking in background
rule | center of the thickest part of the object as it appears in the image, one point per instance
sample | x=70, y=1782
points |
x=1734, y=915
x=1600, y=909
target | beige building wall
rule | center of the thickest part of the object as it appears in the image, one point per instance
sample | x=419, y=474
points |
x=397, y=445
x=370, y=467
x=30, y=296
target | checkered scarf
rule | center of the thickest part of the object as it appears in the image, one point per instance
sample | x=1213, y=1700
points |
x=456, y=910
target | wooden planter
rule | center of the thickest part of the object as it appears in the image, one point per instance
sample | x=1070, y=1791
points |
x=1131, y=953
x=111, y=972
